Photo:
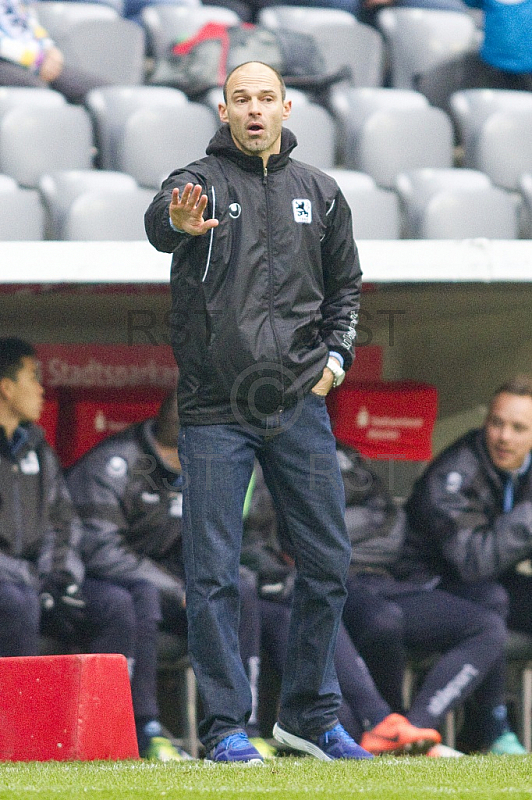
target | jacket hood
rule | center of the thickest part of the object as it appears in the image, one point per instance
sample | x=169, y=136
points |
x=222, y=144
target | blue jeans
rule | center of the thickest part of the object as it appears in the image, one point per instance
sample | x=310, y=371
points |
x=297, y=452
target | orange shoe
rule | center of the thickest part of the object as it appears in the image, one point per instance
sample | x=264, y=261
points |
x=395, y=735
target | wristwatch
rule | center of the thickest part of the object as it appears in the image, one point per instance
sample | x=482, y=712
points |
x=337, y=371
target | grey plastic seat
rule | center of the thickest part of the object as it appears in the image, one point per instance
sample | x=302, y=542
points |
x=108, y=216
x=60, y=189
x=416, y=187
x=525, y=189
x=34, y=140
x=110, y=107
x=470, y=109
x=504, y=147
x=167, y=24
x=352, y=105
x=316, y=134
x=14, y=96
x=384, y=134
x=21, y=212
x=422, y=39
x=455, y=204
x=375, y=210
x=58, y=17
x=486, y=213
x=7, y=183
x=112, y=49
x=341, y=38
x=157, y=140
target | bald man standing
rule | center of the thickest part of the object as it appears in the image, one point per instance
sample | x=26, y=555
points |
x=265, y=295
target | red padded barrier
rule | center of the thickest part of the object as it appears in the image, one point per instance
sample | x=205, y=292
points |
x=72, y=707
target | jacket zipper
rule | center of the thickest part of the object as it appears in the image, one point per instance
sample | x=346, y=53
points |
x=211, y=236
x=17, y=511
x=270, y=279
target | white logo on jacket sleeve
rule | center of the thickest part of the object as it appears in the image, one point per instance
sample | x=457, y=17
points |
x=29, y=465
x=302, y=210
x=116, y=467
x=176, y=505
x=150, y=497
x=235, y=209
x=453, y=482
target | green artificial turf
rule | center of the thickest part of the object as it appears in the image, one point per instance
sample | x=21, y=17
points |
x=469, y=778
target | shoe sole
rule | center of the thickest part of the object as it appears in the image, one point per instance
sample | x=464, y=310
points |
x=417, y=748
x=299, y=744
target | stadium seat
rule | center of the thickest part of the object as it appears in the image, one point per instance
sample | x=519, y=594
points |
x=13, y=96
x=470, y=108
x=316, y=134
x=21, y=212
x=387, y=131
x=341, y=39
x=110, y=106
x=107, y=216
x=58, y=17
x=375, y=211
x=7, y=184
x=34, y=140
x=351, y=105
x=60, y=189
x=422, y=39
x=525, y=188
x=454, y=204
x=111, y=49
x=154, y=141
x=503, y=148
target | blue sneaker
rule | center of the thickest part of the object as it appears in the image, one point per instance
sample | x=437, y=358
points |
x=328, y=746
x=235, y=747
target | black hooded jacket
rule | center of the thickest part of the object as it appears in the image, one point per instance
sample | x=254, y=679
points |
x=130, y=504
x=457, y=528
x=259, y=301
x=39, y=530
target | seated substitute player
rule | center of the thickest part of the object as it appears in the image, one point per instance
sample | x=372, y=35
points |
x=470, y=529
x=40, y=532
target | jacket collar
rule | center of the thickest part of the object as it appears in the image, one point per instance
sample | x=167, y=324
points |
x=222, y=144
x=25, y=438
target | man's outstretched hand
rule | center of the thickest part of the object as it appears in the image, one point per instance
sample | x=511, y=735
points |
x=186, y=211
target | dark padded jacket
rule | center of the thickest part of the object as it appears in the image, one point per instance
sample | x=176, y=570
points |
x=130, y=504
x=39, y=529
x=259, y=301
x=456, y=525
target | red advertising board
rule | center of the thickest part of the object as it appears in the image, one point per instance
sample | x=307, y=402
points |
x=392, y=419
x=93, y=391
x=106, y=367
